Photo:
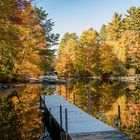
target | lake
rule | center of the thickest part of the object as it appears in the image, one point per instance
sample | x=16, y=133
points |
x=21, y=118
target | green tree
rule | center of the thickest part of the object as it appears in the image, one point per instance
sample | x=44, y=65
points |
x=131, y=21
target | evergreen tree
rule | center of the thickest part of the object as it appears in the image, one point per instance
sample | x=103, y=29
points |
x=114, y=28
x=103, y=34
x=131, y=21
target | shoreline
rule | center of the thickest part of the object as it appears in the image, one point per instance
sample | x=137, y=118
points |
x=127, y=78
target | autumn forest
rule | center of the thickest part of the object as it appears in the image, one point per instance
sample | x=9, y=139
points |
x=26, y=39
x=100, y=69
x=114, y=51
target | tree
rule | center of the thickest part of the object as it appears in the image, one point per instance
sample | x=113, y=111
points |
x=131, y=37
x=113, y=52
x=112, y=48
x=131, y=21
x=106, y=59
x=130, y=41
x=109, y=63
x=114, y=28
x=47, y=25
x=67, y=51
x=86, y=54
x=25, y=40
x=103, y=34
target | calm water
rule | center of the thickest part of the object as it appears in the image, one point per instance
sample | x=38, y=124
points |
x=20, y=118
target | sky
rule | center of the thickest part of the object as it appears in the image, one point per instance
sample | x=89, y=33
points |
x=79, y=15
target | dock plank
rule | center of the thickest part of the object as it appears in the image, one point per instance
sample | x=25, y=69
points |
x=81, y=126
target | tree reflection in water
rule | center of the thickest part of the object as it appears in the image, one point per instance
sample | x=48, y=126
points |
x=104, y=101
x=19, y=112
x=20, y=116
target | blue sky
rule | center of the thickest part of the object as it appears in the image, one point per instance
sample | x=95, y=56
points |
x=79, y=15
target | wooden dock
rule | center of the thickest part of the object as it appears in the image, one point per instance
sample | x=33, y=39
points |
x=65, y=121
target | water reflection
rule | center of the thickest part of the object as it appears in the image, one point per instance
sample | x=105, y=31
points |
x=19, y=112
x=19, y=107
x=102, y=100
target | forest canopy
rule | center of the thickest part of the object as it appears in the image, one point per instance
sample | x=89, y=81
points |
x=25, y=40
x=114, y=51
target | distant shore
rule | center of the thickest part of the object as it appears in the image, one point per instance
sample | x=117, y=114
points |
x=127, y=78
